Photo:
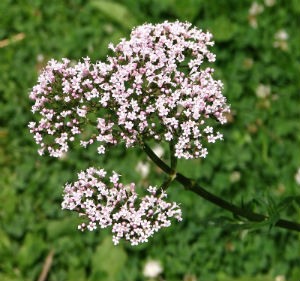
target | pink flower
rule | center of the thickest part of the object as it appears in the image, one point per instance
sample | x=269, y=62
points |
x=105, y=202
x=154, y=86
x=157, y=85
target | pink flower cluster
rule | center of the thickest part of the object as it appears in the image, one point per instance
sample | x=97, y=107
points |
x=66, y=97
x=153, y=86
x=104, y=202
x=156, y=85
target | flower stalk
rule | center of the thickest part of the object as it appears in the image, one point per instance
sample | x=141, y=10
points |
x=156, y=86
x=237, y=211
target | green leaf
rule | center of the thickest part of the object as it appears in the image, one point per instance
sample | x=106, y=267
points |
x=296, y=6
x=32, y=248
x=108, y=261
x=5, y=246
x=222, y=28
x=9, y=201
x=115, y=12
x=58, y=228
x=188, y=9
x=77, y=274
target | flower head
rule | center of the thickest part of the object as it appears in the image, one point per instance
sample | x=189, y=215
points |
x=263, y=91
x=103, y=201
x=153, y=86
x=157, y=85
x=281, y=40
x=65, y=98
x=161, y=90
x=152, y=269
x=297, y=177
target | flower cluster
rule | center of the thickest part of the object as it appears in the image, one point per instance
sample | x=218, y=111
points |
x=281, y=40
x=104, y=202
x=66, y=97
x=152, y=269
x=153, y=86
x=160, y=90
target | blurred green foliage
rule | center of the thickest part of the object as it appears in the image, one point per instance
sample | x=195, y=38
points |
x=258, y=158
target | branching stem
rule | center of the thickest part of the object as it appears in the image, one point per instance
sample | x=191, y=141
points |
x=199, y=190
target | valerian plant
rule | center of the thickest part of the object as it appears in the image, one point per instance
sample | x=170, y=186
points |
x=156, y=86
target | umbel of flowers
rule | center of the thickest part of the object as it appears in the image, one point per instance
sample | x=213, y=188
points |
x=157, y=85
x=107, y=202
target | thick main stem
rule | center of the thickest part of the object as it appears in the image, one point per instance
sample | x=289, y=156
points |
x=199, y=190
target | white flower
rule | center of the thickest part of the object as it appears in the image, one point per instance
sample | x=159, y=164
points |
x=256, y=9
x=152, y=269
x=281, y=40
x=40, y=58
x=263, y=91
x=143, y=168
x=280, y=278
x=270, y=3
x=235, y=176
x=297, y=177
x=281, y=35
x=158, y=150
x=101, y=149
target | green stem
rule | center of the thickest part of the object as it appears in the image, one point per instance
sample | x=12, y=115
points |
x=199, y=190
x=156, y=159
x=168, y=181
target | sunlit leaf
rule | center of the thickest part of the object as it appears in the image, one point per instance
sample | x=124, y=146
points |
x=115, y=12
x=107, y=261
